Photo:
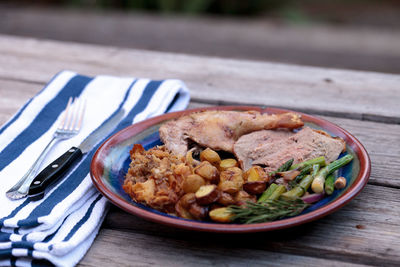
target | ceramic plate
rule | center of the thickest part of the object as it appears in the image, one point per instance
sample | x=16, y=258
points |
x=111, y=162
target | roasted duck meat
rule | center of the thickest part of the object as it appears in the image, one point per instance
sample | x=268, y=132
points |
x=272, y=148
x=220, y=129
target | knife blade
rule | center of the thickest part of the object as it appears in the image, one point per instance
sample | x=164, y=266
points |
x=56, y=169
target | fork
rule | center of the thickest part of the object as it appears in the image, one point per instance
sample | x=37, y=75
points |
x=69, y=126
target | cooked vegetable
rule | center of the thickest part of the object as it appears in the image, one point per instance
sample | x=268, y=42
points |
x=231, y=180
x=289, y=175
x=306, y=170
x=319, y=181
x=277, y=192
x=222, y=215
x=267, y=193
x=182, y=206
x=299, y=166
x=192, y=183
x=242, y=197
x=340, y=183
x=255, y=173
x=330, y=180
x=211, y=156
x=254, y=187
x=197, y=211
x=227, y=163
x=207, y=194
x=268, y=210
x=207, y=171
x=226, y=199
x=285, y=166
x=303, y=186
x=312, y=198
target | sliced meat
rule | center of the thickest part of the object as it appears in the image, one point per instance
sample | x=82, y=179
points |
x=272, y=148
x=220, y=129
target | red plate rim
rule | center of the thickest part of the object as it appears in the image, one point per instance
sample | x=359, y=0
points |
x=96, y=168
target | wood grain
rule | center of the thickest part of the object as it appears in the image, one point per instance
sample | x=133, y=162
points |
x=352, y=94
x=119, y=248
x=363, y=232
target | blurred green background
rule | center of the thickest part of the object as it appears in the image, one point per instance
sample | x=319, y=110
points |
x=378, y=12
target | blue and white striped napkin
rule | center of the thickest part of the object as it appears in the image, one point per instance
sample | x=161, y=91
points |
x=61, y=227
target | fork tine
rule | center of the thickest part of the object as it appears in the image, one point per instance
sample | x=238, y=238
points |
x=70, y=117
x=76, y=115
x=82, y=108
x=65, y=115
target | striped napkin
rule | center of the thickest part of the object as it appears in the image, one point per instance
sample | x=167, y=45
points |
x=60, y=228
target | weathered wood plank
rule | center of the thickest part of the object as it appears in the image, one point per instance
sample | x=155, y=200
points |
x=353, y=94
x=249, y=38
x=119, y=248
x=365, y=232
x=13, y=94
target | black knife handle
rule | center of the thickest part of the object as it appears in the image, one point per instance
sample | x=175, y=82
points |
x=53, y=172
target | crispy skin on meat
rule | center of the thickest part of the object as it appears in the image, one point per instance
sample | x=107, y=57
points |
x=273, y=148
x=219, y=130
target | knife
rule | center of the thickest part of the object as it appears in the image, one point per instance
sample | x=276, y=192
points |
x=55, y=170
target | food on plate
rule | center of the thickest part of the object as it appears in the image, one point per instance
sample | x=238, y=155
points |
x=219, y=130
x=156, y=177
x=340, y=183
x=270, y=148
x=228, y=166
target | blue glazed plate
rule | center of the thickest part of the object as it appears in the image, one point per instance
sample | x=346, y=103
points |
x=111, y=163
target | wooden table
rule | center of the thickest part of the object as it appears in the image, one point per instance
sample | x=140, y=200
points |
x=365, y=232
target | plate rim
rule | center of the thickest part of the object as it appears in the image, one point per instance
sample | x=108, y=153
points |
x=357, y=186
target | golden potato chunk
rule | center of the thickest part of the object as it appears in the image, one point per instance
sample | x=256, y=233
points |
x=254, y=187
x=208, y=172
x=231, y=180
x=211, y=156
x=207, y=194
x=192, y=183
x=222, y=215
x=227, y=163
x=255, y=173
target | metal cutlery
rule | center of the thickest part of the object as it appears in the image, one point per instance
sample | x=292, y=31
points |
x=55, y=170
x=69, y=126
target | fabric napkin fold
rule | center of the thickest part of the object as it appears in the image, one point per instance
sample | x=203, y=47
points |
x=60, y=228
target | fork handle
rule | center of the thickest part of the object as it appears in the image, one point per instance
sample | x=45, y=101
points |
x=23, y=184
x=53, y=172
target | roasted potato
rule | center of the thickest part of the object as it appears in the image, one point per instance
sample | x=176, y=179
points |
x=207, y=194
x=242, y=196
x=255, y=173
x=231, y=180
x=226, y=199
x=182, y=206
x=255, y=187
x=222, y=215
x=209, y=172
x=227, y=163
x=187, y=200
x=192, y=183
x=198, y=212
x=211, y=156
